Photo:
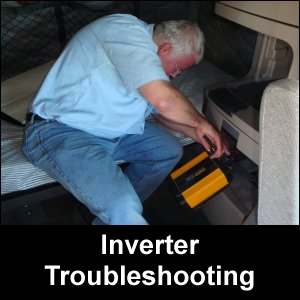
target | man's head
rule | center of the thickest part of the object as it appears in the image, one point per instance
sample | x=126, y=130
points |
x=180, y=45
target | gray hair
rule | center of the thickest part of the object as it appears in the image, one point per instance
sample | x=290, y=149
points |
x=184, y=36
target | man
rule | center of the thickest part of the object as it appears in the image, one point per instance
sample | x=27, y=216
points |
x=91, y=108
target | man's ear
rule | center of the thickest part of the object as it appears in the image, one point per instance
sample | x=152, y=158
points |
x=164, y=49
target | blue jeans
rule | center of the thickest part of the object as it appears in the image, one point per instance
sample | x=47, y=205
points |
x=86, y=166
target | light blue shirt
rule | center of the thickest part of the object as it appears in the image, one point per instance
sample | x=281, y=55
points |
x=93, y=85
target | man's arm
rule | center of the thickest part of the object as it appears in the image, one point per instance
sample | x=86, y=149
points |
x=177, y=109
x=189, y=131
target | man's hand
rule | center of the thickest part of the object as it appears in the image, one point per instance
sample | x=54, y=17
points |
x=206, y=131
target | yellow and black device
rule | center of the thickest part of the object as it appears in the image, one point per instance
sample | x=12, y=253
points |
x=199, y=180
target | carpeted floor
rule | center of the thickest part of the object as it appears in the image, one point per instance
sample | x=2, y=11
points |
x=162, y=208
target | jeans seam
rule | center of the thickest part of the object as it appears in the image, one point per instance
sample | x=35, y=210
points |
x=147, y=174
x=134, y=154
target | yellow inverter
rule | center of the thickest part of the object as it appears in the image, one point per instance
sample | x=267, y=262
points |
x=198, y=180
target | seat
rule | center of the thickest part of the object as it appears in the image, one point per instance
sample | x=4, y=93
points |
x=278, y=194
